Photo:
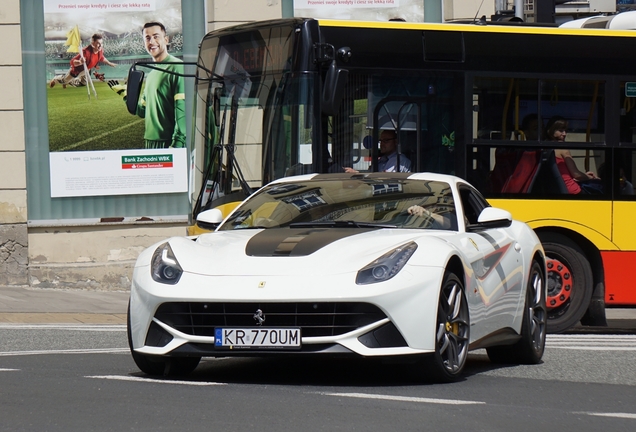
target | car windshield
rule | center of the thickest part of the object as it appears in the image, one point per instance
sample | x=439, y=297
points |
x=348, y=203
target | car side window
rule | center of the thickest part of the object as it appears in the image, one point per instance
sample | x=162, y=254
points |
x=472, y=203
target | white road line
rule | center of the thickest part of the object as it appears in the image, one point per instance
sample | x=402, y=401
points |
x=592, y=338
x=594, y=348
x=69, y=351
x=592, y=342
x=616, y=415
x=8, y=370
x=404, y=398
x=151, y=380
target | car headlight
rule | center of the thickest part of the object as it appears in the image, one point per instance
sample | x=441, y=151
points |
x=165, y=268
x=387, y=266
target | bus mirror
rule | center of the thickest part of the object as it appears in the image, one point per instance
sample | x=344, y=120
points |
x=333, y=88
x=133, y=89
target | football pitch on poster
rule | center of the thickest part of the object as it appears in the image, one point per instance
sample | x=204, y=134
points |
x=80, y=123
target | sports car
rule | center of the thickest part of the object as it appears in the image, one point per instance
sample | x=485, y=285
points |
x=414, y=266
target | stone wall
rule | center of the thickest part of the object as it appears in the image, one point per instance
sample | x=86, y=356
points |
x=13, y=206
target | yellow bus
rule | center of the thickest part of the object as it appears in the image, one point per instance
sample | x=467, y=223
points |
x=300, y=95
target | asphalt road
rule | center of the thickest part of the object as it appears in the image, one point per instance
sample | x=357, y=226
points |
x=81, y=377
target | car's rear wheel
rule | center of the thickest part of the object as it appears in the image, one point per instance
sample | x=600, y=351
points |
x=569, y=282
x=529, y=349
x=160, y=365
x=451, y=332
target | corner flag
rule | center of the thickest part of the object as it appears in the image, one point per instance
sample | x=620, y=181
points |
x=73, y=40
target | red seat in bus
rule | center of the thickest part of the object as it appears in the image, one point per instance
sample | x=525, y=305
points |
x=522, y=178
x=526, y=171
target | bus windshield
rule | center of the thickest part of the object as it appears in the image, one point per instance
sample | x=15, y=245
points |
x=253, y=116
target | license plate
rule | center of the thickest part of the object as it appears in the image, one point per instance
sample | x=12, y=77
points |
x=265, y=338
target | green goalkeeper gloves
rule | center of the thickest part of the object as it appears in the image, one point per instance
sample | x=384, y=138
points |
x=117, y=87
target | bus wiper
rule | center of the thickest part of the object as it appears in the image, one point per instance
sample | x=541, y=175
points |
x=339, y=224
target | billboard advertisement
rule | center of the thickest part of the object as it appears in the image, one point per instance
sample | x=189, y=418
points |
x=96, y=146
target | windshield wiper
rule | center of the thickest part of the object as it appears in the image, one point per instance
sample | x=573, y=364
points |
x=339, y=224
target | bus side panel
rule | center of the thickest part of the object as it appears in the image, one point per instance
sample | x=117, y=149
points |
x=619, y=277
x=623, y=233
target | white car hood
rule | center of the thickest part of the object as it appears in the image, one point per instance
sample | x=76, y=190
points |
x=289, y=252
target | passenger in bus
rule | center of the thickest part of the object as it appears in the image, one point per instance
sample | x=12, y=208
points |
x=388, y=155
x=626, y=188
x=575, y=180
x=530, y=127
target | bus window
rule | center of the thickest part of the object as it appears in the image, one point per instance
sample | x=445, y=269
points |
x=505, y=108
x=422, y=109
x=539, y=172
x=580, y=103
x=519, y=108
x=288, y=125
x=624, y=175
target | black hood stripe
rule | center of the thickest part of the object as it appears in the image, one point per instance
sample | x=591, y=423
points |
x=296, y=241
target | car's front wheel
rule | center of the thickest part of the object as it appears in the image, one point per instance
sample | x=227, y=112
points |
x=451, y=332
x=160, y=365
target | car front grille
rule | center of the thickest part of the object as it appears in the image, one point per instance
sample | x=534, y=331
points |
x=314, y=319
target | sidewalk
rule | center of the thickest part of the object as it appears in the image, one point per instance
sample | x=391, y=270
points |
x=26, y=305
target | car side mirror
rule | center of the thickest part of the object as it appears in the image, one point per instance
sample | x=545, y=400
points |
x=492, y=217
x=209, y=219
x=133, y=89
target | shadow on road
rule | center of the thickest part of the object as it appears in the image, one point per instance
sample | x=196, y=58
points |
x=313, y=371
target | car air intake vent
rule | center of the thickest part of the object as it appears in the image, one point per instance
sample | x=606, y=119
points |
x=314, y=319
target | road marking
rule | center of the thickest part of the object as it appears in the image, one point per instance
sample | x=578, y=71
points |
x=591, y=348
x=69, y=351
x=404, y=398
x=617, y=415
x=592, y=342
x=8, y=370
x=151, y=380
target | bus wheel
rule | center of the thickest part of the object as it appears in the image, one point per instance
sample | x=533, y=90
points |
x=569, y=282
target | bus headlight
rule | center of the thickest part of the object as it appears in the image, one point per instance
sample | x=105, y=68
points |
x=165, y=268
x=387, y=266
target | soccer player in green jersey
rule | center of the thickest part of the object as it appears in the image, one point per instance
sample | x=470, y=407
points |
x=163, y=101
